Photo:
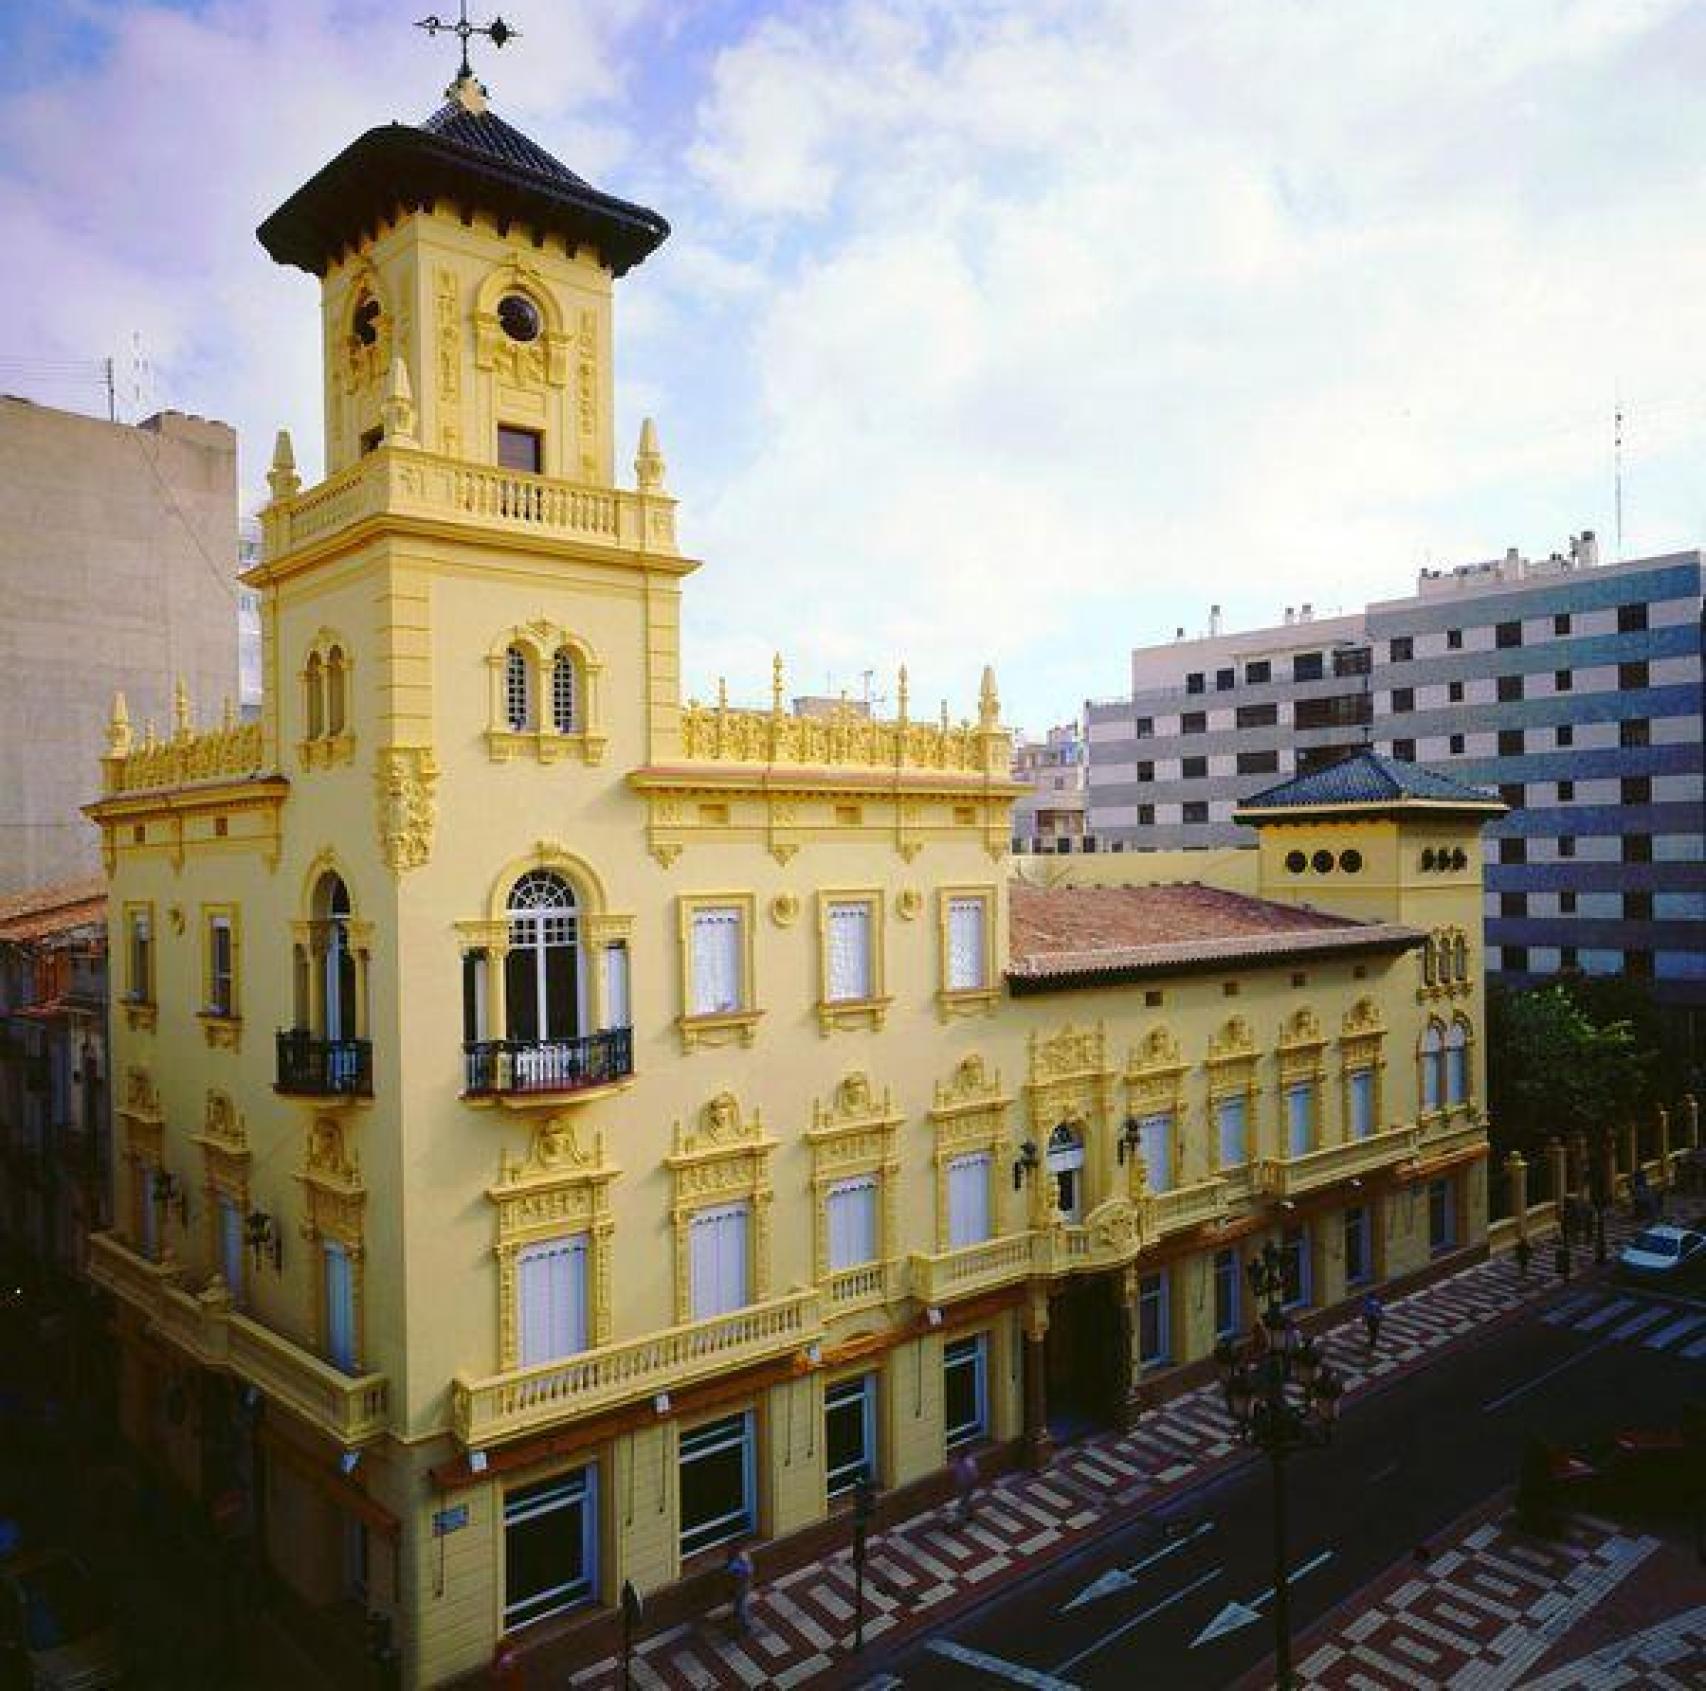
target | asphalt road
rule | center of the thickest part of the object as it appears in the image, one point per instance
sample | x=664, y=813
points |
x=1408, y=1459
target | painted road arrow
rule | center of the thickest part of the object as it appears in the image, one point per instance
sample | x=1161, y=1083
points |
x=1236, y=1614
x=1123, y=1579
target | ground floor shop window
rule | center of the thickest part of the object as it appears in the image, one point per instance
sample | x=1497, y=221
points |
x=965, y=1389
x=850, y=1432
x=1359, y=1252
x=550, y=1546
x=1226, y=1294
x=1294, y=1265
x=1153, y=1325
x=1442, y=1218
x=717, y=1483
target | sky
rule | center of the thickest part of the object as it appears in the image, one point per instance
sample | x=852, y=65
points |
x=990, y=331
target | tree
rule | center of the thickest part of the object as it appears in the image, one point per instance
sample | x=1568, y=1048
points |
x=1553, y=1069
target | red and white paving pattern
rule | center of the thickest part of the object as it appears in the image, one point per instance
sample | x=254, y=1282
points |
x=802, y=1622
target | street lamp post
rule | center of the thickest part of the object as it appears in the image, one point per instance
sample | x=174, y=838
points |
x=1282, y=1398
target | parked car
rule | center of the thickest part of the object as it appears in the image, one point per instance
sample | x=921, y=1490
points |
x=56, y=1631
x=1663, y=1256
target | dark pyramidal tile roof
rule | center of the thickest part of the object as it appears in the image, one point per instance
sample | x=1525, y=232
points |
x=1367, y=778
x=487, y=133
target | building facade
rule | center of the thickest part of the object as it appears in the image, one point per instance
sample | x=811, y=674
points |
x=1573, y=688
x=118, y=544
x=566, y=1131
x=1050, y=810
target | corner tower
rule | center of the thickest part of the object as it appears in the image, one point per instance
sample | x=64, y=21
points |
x=466, y=273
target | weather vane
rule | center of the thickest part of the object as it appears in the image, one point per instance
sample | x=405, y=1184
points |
x=498, y=31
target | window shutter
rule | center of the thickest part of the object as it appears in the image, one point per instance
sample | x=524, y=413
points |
x=718, y=1242
x=1231, y=1117
x=968, y=1200
x=616, y=1012
x=551, y=1284
x=716, y=960
x=852, y=1223
x=231, y=1244
x=1362, y=1103
x=850, y=951
x=1156, y=1144
x=340, y=1308
x=1297, y=1101
x=966, y=969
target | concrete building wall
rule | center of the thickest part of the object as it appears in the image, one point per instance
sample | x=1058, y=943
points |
x=118, y=552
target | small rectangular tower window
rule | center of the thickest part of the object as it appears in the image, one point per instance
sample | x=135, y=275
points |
x=521, y=449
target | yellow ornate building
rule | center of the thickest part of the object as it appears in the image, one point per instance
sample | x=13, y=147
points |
x=564, y=1129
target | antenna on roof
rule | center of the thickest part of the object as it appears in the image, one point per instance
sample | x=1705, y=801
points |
x=497, y=31
x=1617, y=468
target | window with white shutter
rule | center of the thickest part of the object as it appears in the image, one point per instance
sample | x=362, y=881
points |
x=968, y=1200
x=231, y=1245
x=851, y=1216
x=967, y=948
x=1155, y=1146
x=1362, y=1103
x=340, y=1306
x=1231, y=1115
x=848, y=936
x=718, y=1244
x=717, y=948
x=616, y=1011
x=1299, y=1109
x=551, y=1291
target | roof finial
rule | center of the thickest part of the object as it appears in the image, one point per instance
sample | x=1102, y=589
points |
x=282, y=477
x=497, y=31
x=648, y=461
x=398, y=406
x=118, y=728
x=989, y=701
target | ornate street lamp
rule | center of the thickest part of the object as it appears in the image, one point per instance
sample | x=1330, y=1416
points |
x=264, y=1240
x=1282, y=1397
x=1026, y=1164
x=169, y=1194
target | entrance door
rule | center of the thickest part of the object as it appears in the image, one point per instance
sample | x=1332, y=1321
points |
x=1085, y=1353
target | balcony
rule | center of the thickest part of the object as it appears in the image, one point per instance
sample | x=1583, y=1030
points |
x=503, y=1406
x=1184, y=1207
x=507, y=1068
x=850, y=1289
x=323, y=1068
x=348, y=1408
x=1288, y=1177
x=950, y=1275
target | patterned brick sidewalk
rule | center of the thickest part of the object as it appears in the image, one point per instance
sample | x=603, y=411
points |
x=1487, y=1613
x=922, y=1569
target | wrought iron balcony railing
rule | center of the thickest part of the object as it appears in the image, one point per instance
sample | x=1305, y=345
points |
x=324, y=1068
x=498, y=1066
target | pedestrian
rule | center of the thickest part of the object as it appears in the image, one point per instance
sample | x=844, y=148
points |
x=965, y=1484
x=1373, y=1313
x=739, y=1568
x=1561, y=1258
x=1524, y=1256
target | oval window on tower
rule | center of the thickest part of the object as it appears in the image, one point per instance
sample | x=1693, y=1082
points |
x=518, y=317
x=1322, y=862
x=1296, y=862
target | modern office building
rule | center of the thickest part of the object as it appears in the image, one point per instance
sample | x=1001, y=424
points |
x=118, y=557
x=1571, y=687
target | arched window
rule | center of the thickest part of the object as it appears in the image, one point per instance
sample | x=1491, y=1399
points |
x=1457, y=1063
x=312, y=677
x=335, y=690
x=518, y=691
x=1433, y=1067
x=1430, y=962
x=564, y=707
x=1066, y=1164
x=333, y=959
x=543, y=983
x=1460, y=958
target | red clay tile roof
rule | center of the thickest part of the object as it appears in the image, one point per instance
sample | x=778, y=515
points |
x=1061, y=932
x=41, y=911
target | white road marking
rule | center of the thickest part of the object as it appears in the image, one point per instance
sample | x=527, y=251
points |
x=1674, y=1330
x=1122, y=1579
x=1237, y=1614
x=1608, y=1312
x=1012, y=1672
x=1137, y=1620
x=1540, y=1379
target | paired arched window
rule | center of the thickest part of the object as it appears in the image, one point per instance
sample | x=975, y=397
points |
x=543, y=687
x=325, y=702
x=518, y=691
x=565, y=692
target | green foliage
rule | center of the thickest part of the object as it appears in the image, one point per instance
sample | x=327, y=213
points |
x=1553, y=1068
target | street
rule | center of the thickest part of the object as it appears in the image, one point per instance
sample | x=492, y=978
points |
x=1184, y=1597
